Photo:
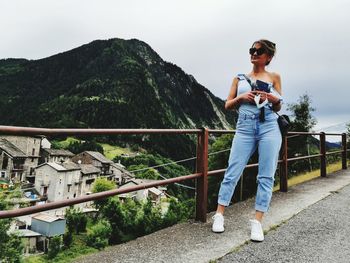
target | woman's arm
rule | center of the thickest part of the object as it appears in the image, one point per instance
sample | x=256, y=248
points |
x=233, y=100
x=276, y=102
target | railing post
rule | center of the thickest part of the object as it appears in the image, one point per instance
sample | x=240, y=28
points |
x=202, y=182
x=284, y=166
x=344, y=155
x=323, y=154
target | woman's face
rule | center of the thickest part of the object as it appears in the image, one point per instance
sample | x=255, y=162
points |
x=258, y=55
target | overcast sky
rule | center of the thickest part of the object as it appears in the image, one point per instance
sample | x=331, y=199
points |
x=207, y=39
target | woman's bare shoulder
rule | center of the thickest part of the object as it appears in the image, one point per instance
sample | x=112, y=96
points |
x=275, y=75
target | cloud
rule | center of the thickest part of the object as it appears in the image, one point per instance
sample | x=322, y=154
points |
x=208, y=39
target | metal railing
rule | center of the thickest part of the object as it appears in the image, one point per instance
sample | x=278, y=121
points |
x=201, y=174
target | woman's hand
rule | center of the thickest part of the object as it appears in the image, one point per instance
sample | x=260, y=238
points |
x=247, y=97
x=270, y=97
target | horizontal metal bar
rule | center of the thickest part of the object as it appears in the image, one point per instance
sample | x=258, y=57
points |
x=303, y=157
x=220, y=171
x=53, y=131
x=303, y=133
x=221, y=131
x=334, y=134
x=216, y=172
x=91, y=197
x=335, y=152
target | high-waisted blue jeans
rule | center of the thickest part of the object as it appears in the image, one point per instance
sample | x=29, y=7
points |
x=250, y=134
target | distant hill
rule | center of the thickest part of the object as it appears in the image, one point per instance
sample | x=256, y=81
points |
x=111, y=83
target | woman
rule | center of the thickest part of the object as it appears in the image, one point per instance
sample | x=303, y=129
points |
x=257, y=127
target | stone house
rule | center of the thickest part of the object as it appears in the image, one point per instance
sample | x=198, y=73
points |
x=30, y=145
x=30, y=240
x=97, y=159
x=48, y=155
x=121, y=175
x=58, y=181
x=89, y=173
x=12, y=162
x=155, y=194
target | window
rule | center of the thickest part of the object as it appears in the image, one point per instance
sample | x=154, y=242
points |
x=33, y=152
x=69, y=186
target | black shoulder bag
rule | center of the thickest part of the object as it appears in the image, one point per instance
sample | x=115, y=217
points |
x=283, y=120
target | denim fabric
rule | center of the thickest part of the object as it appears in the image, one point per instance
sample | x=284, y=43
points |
x=252, y=134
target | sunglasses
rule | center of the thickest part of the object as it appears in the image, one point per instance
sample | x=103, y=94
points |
x=259, y=51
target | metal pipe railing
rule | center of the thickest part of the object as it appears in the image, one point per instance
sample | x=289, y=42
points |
x=201, y=174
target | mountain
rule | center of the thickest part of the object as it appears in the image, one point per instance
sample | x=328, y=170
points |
x=111, y=83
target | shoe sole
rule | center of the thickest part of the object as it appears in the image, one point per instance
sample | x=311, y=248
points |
x=256, y=240
x=218, y=231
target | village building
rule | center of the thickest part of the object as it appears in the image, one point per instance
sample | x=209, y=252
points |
x=58, y=181
x=98, y=160
x=48, y=155
x=45, y=143
x=30, y=240
x=89, y=173
x=121, y=175
x=155, y=194
x=12, y=162
x=48, y=226
x=30, y=146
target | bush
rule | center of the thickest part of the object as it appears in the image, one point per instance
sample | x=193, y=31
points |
x=99, y=234
x=101, y=185
x=76, y=220
x=54, y=247
x=67, y=239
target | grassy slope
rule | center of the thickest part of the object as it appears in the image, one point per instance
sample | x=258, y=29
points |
x=110, y=151
x=311, y=175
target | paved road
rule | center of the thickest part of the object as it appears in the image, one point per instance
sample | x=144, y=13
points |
x=320, y=233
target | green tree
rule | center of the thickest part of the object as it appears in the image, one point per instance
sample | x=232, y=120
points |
x=101, y=185
x=152, y=218
x=178, y=211
x=132, y=211
x=11, y=246
x=78, y=147
x=76, y=220
x=170, y=170
x=54, y=247
x=67, y=239
x=348, y=136
x=99, y=234
x=112, y=210
x=302, y=121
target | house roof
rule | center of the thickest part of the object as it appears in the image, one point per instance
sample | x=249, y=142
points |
x=63, y=167
x=138, y=182
x=89, y=169
x=99, y=157
x=70, y=166
x=58, y=152
x=26, y=233
x=46, y=217
x=11, y=149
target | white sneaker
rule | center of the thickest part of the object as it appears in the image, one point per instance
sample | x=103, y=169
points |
x=218, y=224
x=257, y=233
